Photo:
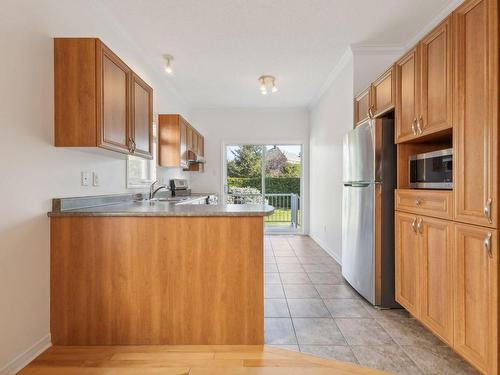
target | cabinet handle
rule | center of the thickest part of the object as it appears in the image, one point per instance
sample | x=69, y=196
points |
x=419, y=226
x=414, y=225
x=487, y=210
x=133, y=146
x=419, y=125
x=487, y=245
x=370, y=112
x=418, y=202
x=413, y=126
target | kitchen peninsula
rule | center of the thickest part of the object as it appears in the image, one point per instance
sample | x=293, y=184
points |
x=127, y=271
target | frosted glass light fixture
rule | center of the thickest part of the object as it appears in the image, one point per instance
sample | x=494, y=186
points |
x=267, y=83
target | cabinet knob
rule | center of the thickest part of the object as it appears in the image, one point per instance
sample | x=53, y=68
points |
x=487, y=210
x=414, y=225
x=418, y=202
x=487, y=245
x=414, y=126
x=420, y=123
x=370, y=112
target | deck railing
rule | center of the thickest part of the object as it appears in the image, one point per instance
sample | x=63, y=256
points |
x=287, y=210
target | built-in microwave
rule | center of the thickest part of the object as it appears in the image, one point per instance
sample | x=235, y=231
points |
x=432, y=170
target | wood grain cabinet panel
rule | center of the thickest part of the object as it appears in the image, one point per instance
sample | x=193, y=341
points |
x=142, y=117
x=436, y=275
x=407, y=260
x=436, y=80
x=99, y=101
x=362, y=104
x=476, y=113
x=115, y=106
x=476, y=296
x=407, y=89
x=384, y=92
x=436, y=203
x=175, y=138
x=157, y=280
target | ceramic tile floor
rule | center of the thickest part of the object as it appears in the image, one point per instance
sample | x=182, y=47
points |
x=309, y=307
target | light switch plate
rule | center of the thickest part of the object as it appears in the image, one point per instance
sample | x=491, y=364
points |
x=85, y=178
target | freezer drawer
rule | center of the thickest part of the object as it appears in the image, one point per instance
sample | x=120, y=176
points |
x=358, y=238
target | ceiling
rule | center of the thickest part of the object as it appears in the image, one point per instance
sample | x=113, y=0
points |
x=221, y=47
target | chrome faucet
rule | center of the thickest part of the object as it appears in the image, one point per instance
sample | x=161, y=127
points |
x=153, y=191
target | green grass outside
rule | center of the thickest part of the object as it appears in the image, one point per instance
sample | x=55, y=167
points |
x=284, y=215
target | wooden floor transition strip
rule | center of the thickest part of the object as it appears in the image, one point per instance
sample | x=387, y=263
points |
x=185, y=360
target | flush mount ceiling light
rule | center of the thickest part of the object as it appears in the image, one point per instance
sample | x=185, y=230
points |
x=168, y=63
x=267, y=83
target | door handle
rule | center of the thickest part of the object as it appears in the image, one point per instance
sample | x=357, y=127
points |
x=414, y=225
x=487, y=245
x=487, y=210
x=419, y=226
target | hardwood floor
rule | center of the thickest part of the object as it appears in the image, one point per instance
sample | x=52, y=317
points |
x=184, y=360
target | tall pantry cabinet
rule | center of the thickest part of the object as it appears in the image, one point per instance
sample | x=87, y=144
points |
x=447, y=242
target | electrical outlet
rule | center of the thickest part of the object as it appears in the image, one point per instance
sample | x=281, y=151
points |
x=85, y=178
x=95, y=179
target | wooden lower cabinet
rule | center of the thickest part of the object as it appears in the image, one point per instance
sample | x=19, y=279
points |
x=436, y=277
x=447, y=278
x=476, y=296
x=407, y=259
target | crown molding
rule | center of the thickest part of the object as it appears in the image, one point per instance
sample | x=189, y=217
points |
x=445, y=12
x=376, y=48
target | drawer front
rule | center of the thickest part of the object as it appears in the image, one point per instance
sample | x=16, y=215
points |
x=425, y=202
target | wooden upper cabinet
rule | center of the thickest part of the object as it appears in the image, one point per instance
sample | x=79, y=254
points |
x=99, y=101
x=476, y=296
x=362, y=104
x=436, y=275
x=114, y=129
x=384, y=92
x=407, y=89
x=407, y=260
x=475, y=132
x=142, y=117
x=175, y=138
x=436, y=80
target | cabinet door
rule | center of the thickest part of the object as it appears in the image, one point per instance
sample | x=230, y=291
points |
x=407, y=259
x=195, y=142
x=114, y=108
x=407, y=96
x=436, y=286
x=436, y=80
x=141, y=128
x=362, y=104
x=384, y=92
x=189, y=137
x=476, y=283
x=183, y=143
x=476, y=113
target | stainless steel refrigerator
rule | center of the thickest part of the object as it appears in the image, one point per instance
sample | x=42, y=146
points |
x=369, y=180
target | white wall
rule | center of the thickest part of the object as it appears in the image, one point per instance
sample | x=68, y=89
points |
x=330, y=119
x=247, y=126
x=33, y=171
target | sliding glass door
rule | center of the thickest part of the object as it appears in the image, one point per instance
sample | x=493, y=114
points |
x=265, y=173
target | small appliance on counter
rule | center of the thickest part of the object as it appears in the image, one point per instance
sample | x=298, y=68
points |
x=432, y=170
x=179, y=187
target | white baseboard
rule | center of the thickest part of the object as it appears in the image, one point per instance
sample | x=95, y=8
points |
x=326, y=248
x=23, y=359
